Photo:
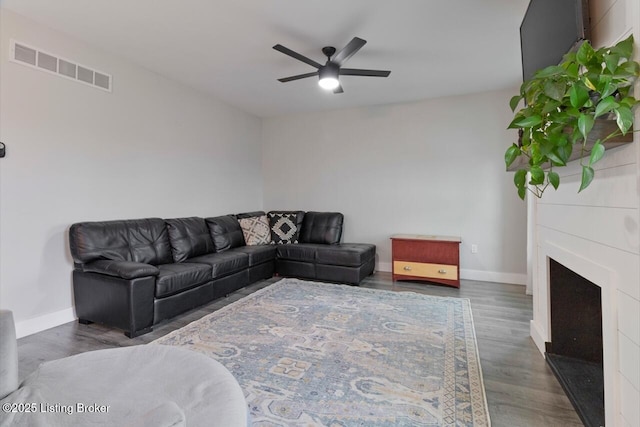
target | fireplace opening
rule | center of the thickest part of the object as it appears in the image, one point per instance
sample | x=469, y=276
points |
x=575, y=351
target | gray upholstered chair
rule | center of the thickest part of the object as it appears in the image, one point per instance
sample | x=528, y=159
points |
x=147, y=385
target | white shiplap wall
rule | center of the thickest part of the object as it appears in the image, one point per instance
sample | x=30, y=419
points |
x=598, y=231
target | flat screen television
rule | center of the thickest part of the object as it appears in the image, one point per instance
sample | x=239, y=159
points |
x=550, y=29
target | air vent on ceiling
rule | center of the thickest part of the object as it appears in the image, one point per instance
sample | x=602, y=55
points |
x=24, y=54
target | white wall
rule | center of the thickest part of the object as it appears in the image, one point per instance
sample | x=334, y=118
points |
x=75, y=153
x=430, y=167
x=600, y=228
x=155, y=148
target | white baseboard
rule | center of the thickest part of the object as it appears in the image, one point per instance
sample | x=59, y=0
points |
x=536, y=335
x=385, y=266
x=482, y=276
x=42, y=323
x=493, y=276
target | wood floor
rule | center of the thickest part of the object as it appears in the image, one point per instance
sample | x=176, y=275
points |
x=521, y=390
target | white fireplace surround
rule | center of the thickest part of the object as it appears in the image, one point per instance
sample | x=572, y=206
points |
x=602, y=276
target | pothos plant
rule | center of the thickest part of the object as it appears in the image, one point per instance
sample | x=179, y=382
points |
x=562, y=103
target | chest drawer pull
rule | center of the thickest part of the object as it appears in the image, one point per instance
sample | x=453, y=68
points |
x=406, y=267
x=442, y=271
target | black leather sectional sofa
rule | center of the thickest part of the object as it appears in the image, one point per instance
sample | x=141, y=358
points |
x=132, y=274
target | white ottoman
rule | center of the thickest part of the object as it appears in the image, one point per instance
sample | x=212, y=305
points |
x=147, y=385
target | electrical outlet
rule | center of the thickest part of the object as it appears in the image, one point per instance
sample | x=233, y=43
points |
x=474, y=249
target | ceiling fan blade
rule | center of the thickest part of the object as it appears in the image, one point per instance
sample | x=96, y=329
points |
x=338, y=89
x=349, y=50
x=297, y=77
x=296, y=55
x=358, y=72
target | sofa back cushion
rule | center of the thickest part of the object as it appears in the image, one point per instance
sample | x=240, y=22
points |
x=137, y=240
x=285, y=226
x=322, y=227
x=189, y=237
x=225, y=232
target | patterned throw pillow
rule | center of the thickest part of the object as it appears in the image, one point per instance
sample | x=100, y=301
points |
x=255, y=230
x=284, y=229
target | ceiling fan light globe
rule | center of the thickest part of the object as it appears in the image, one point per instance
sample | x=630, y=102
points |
x=328, y=83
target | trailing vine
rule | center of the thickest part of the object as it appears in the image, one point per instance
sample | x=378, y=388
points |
x=562, y=103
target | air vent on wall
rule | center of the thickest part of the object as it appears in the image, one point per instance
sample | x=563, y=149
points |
x=24, y=54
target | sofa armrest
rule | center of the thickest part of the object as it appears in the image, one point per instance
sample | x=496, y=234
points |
x=123, y=269
x=124, y=303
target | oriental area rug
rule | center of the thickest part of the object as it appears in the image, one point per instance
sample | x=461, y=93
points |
x=317, y=354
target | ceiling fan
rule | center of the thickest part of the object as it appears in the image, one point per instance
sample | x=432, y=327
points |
x=329, y=72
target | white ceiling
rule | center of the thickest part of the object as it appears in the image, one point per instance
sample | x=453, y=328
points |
x=433, y=48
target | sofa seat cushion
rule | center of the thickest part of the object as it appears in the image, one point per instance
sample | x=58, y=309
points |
x=258, y=254
x=345, y=254
x=305, y=252
x=224, y=263
x=177, y=277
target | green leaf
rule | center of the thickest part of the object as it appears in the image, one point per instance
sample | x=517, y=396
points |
x=554, y=179
x=623, y=92
x=575, y=136
x=572, y=70
x=525, y=122
x=587, y=177
x=603, y=83
x=605, y=105
x=578, y=96
x=514, y=102
x=520, y=178
x=627, y=69
x=556, y=135
x=556, y=159
x=624, y=118
x=608, y=89
x=526, y=138
x=564, y=152
x=568, y=59
x=549, y=106
x=629, y=101
x=596, y=152
x=585, y=54
x=612, y=61
x=522, y=191
x=537, y=175
x=589, y=84
x=552, y=70
x=585, y=124
x=534, y=150
x=555, y=90
x=624, y=48
x=565, y=116
x=511, y=154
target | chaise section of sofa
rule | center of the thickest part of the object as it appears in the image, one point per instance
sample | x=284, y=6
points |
x=321, y=256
